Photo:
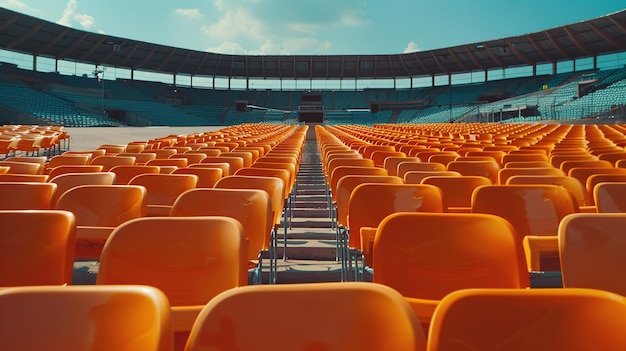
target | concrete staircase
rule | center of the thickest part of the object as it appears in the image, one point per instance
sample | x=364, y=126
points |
x=311, y=240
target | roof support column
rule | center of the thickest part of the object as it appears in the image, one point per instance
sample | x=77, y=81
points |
x=34, y=63
x=595, y=61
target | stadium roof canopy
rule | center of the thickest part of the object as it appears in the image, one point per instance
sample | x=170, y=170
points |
x=34, y=36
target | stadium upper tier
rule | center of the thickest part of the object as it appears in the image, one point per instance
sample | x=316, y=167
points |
x=53, y=99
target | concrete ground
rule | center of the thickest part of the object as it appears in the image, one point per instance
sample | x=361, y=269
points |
x=91, y=138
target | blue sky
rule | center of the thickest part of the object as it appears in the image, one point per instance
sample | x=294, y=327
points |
x=294, y=27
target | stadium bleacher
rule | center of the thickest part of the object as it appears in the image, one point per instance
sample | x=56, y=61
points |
x=527, y=262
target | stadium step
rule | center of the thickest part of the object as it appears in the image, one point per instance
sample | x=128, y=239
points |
x=311, y=239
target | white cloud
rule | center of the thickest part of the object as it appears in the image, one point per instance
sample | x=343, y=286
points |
x=85, y=21
x=411, y=47
x=219, y=4
x=229, y=48
x=71, y=16
x=20, y=6
x=189, y=13
x=68, y=14
x=353, y=19
x=235, y=23
x=269, y=47
x=279, y=27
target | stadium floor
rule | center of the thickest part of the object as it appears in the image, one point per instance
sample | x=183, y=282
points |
x=89, y=138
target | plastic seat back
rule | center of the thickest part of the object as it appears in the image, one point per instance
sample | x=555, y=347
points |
x=613, y=156
x=162, y=190
x=379, y=157
x=524, y=157
x=505, y=173
x=342, y=171
x=535, y=211
x=404, y=167
x=370, y=149
x=160, y=153
x=124, y=173
x=53, y=172
x=37, y=247
x=207, y=177
x=568, y=165
x=457, y=191
x=141, y=157
x=274, y=187
x=528, y=164
x=592, y=247
x=292, y=168
x=371, y=203
x=596, y=179
x=532, y=209
x=75, y=318
x=570, y=183
x=391, y=163
x=109, y=161
x=26, y=195
x=444, y=157
x=323, y=316
x=192, y=157
x=416, y=177
x=610, y=197
x=528, y=319
x=68, y=181
x=488, y=169
x=32, y=178
x=175, y=162
x=95, y=220
x=251, y=207
x=70, y=159
x=283, y=174
x=348, y=183
x=352, y=162
x=17, y=167
x=234, y=162
x=225, y=167
x=450, y=251
x=583, y=173
x=171, y=254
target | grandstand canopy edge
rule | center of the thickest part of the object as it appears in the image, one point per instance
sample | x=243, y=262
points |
x=590, y=38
